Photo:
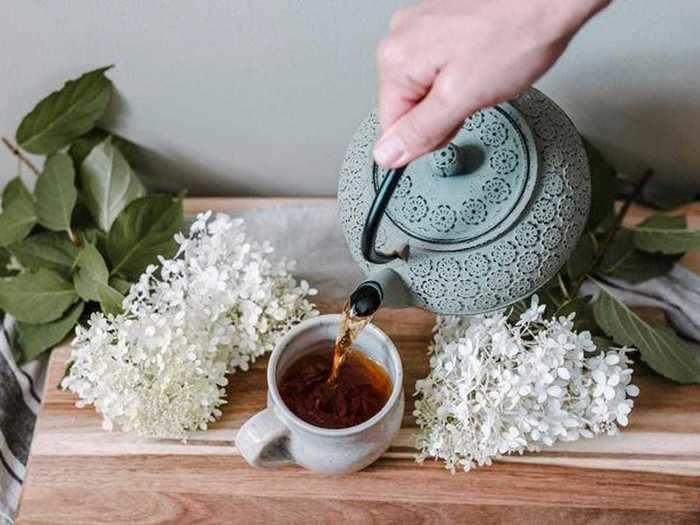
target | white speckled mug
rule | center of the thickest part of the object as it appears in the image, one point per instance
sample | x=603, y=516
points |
x=276, y=436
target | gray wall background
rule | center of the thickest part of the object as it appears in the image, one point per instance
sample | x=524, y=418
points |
x=261, y=96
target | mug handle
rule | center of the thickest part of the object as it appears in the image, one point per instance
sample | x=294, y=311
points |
x=262, y=440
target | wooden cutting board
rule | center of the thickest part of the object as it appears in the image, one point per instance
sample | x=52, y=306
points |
x=79, y=473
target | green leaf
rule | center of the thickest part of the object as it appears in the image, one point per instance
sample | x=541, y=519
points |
x=603, y=187
x=581, y=260
x=144, y=230
x=4, y=261
x=18, y=216
x=66, y=114
x=55, y=193
x=622, y=259
x=16, y=190
x=108, y=183
x=90, y=235
x=110, y=299
x=662, y=350
x=92, y=273
x=36, y=297
x=666, y=234
x=667, y=222
x=51, y=250
x=121, y=285
x=82, y=147
x=34, y=339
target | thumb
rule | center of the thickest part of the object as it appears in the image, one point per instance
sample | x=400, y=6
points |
x=426, y=126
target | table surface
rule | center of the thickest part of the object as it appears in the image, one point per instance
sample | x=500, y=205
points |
x=79, y=473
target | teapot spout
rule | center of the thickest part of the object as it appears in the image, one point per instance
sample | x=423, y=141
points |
x=382, y=288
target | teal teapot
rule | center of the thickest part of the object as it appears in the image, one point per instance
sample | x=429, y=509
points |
x=472, y=227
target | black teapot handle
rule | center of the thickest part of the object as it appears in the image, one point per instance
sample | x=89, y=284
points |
x=374, y=217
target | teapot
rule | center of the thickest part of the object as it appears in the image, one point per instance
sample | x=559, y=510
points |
x=472, y=227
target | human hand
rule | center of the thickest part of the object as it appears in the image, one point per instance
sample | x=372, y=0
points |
x=445, y=59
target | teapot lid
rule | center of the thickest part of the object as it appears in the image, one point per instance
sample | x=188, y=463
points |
x=472, y=190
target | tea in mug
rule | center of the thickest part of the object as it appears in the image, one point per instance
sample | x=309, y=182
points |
x=358, y=391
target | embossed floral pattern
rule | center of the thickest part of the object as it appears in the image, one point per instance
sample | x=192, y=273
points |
x=477, y=265
x=567, y=208
x=546, y=128
x=528, y=262
x=544, y=211
x=499, y=279
x=433, y=288
x=496, y=190
x=527, y=234
x=551, y=237
x=404, y=187
x=504, y=161
x=422, y=267
x=553, y=185
x=473, y=211
x=466, y=288
x=443, y=218
x=505, y=254
x=415, y=208
x=521, y=288
x=449, y=268
x=552, y=156
x=494, y=134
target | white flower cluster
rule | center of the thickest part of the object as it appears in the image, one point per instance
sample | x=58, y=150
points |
x=497, y=387
x=159, y=369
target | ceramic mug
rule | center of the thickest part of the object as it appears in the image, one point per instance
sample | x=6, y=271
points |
x=276, y=436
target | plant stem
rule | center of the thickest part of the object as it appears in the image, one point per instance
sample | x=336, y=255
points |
x=73, y=238
x=636, y=192
x=562, y=286
x=619, y=217
x=17, y=153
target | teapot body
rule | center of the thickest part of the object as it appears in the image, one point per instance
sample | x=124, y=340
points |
x=482, y=223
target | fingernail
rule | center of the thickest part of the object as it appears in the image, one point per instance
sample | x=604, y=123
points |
x=389, y=150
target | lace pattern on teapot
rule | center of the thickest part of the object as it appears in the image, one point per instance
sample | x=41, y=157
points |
x=506, y=268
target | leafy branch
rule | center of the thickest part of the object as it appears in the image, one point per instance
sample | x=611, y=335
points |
x=87, y=231
x=609, y=249
x=601, y=247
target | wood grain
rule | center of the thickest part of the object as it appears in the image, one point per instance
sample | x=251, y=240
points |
x=80, y=474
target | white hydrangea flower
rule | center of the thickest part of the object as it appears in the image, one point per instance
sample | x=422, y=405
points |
x=497, y=388
x=160, y=368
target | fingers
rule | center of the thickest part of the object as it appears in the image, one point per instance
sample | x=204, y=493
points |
x=403, y=79
x=426, y=126
x=396, y=100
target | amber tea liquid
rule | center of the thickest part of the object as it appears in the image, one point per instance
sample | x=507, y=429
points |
x=360, y=389
x=334, y=386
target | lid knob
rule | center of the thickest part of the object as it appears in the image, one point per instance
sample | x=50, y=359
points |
x=456, y=160
x=447, y=161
